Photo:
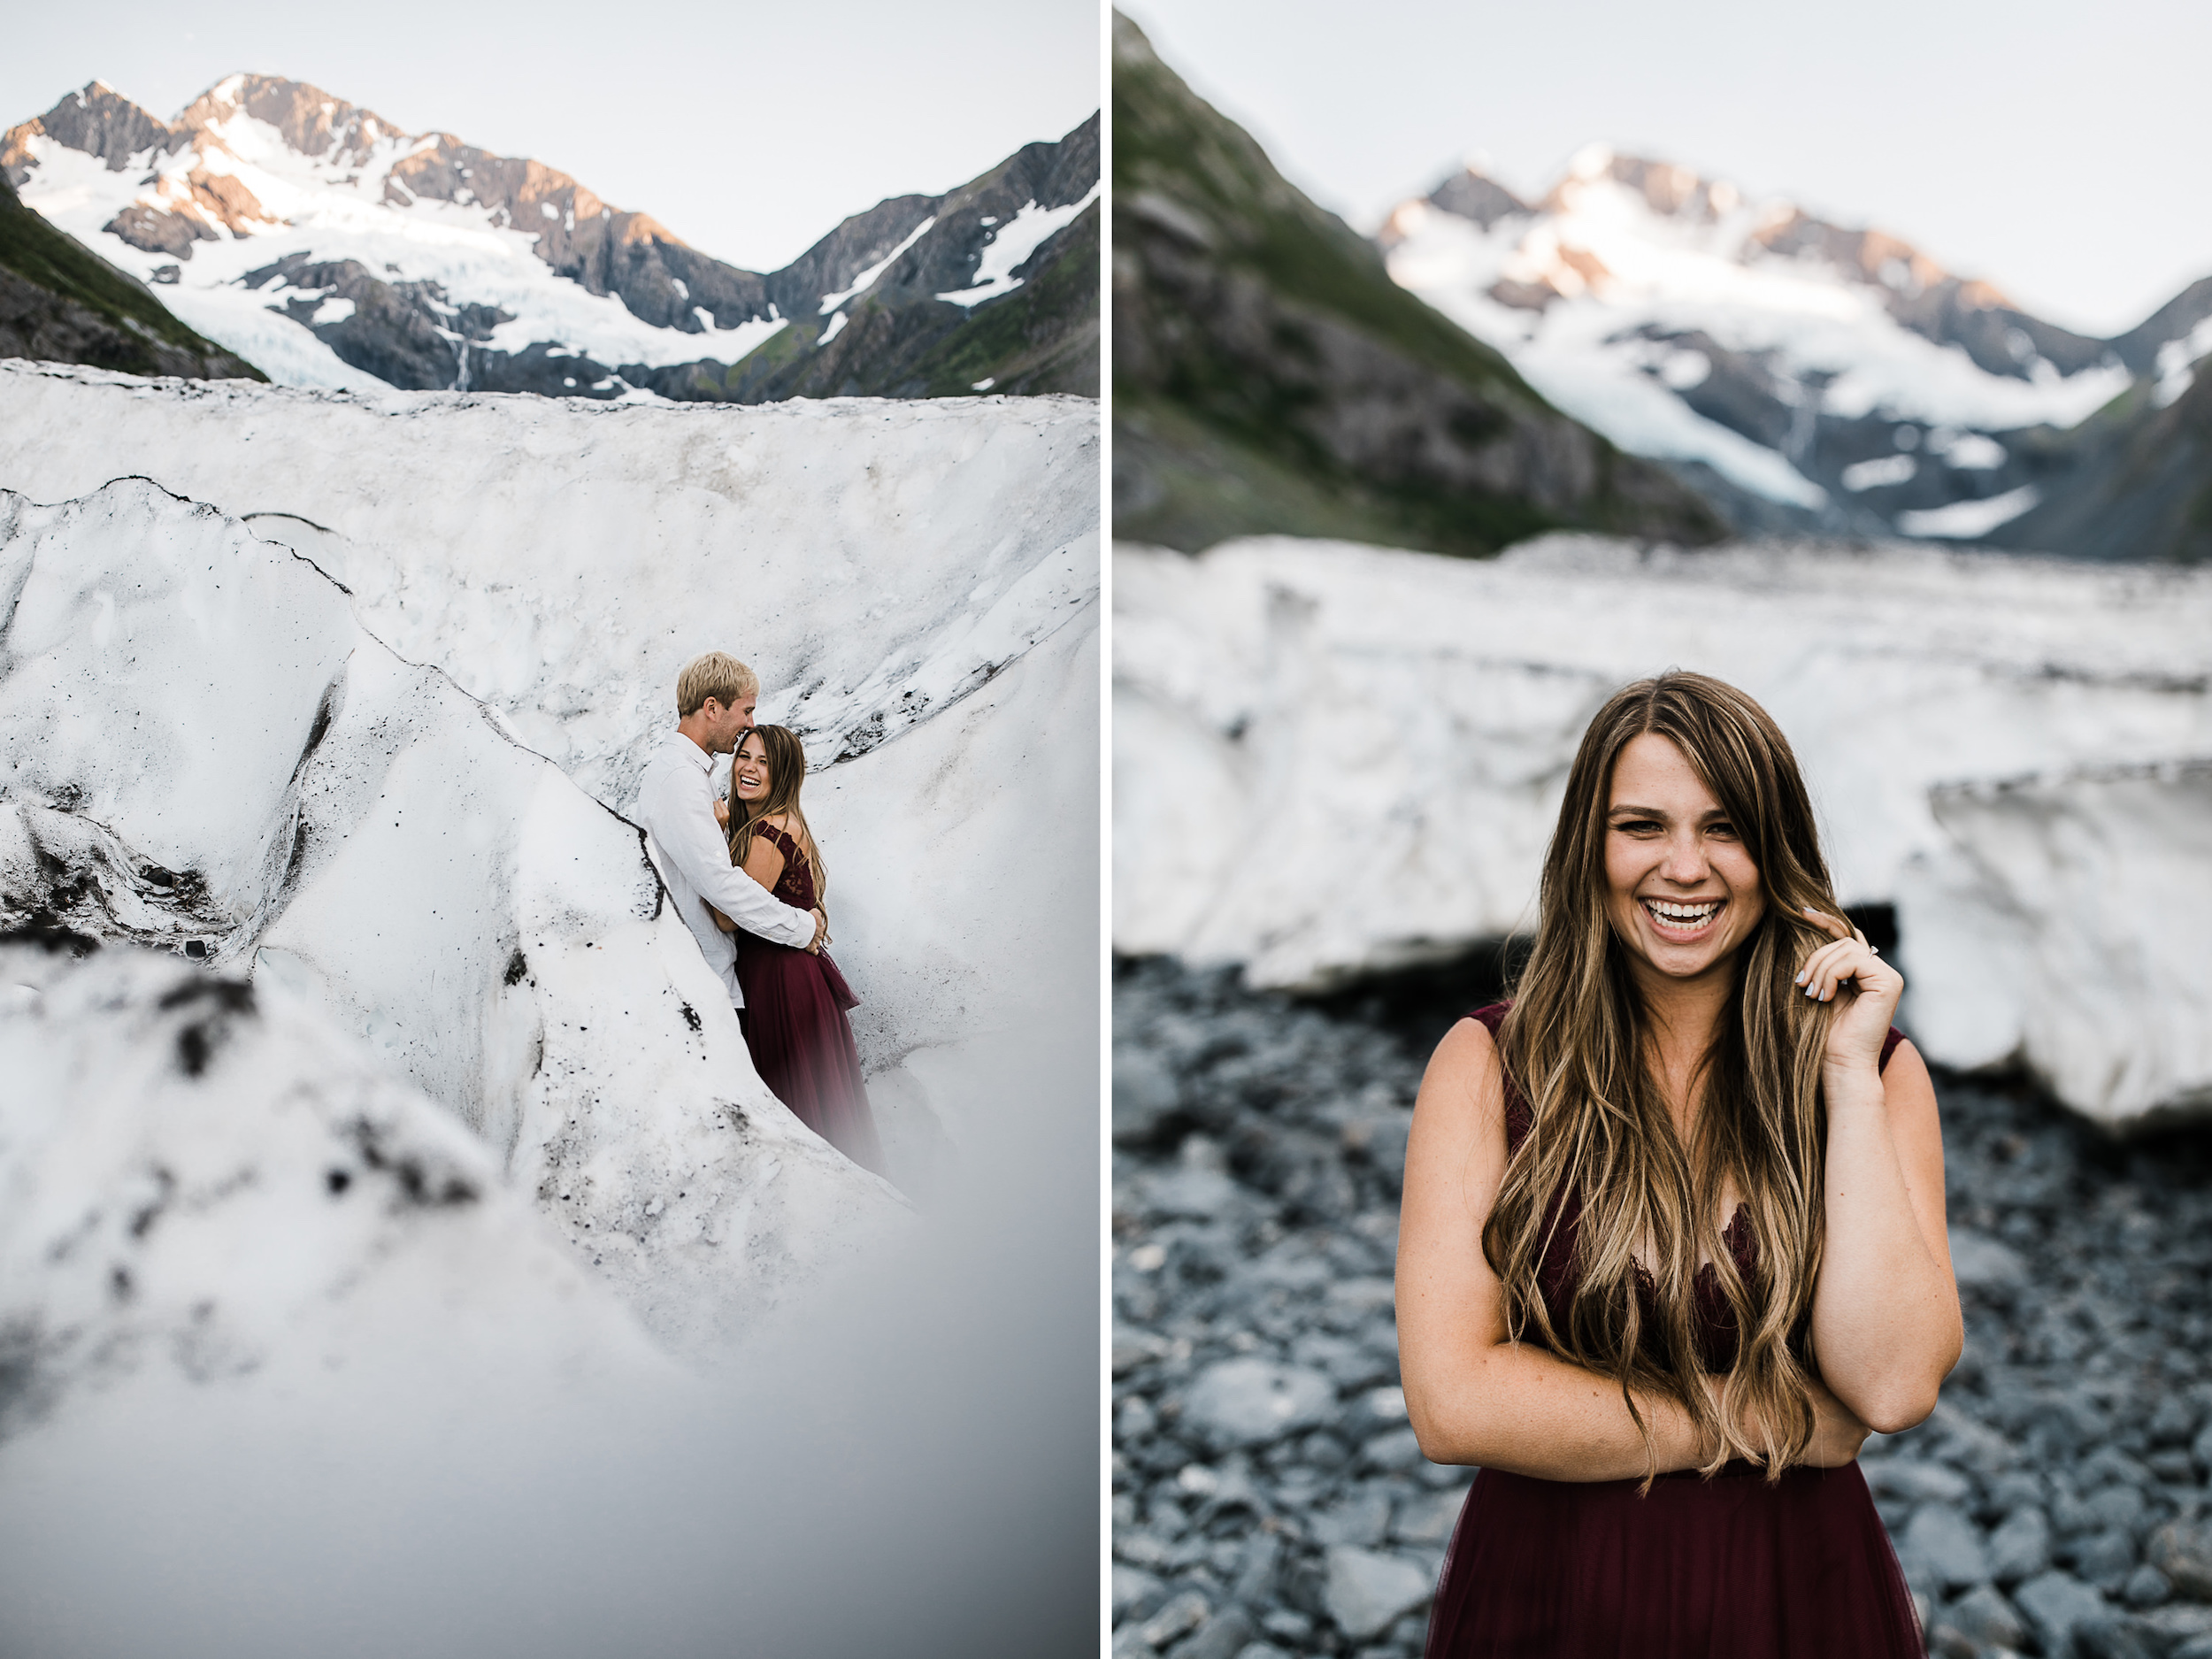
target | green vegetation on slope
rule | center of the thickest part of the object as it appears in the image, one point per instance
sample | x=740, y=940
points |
x=137, y=325
x=1271, y=377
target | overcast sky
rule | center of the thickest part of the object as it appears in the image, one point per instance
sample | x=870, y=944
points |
x=749, y=130
x=2057, y=149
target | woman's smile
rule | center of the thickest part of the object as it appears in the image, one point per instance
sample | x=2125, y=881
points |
x=749, y=780
x=1683, y=921
x=1685, y=891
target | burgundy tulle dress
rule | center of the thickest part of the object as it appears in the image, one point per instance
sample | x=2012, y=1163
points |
x=795, y=1025
x=1729, y=1568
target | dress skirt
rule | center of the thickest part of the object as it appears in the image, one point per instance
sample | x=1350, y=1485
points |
x=1726, y=1569
x=803, y=1044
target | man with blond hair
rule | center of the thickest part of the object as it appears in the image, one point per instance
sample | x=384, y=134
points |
x=715, y=697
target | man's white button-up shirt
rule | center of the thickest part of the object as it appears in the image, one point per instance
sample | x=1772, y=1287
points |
x=675, y=804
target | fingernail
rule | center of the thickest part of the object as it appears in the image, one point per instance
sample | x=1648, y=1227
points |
x=1809, y=910
x=1799, y=980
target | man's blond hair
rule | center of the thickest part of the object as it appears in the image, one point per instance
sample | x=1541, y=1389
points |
x=718, y=675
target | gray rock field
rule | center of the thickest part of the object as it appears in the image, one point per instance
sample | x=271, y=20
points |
x=1269, y=1498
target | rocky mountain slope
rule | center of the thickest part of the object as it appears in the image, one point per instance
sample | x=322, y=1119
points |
x=1810, y=376
x=60, y=301
x=1269, y=376
x=315, y=239
x=2135, y=479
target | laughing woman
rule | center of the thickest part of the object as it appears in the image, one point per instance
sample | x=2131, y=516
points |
x=794, y=999
x=1673, y=1234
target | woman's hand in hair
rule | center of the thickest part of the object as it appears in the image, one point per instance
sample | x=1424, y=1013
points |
x=1847, y=970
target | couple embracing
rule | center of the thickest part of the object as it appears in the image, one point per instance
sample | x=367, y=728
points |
x=748, y=880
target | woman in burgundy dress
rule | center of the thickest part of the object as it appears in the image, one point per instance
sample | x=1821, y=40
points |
x=1674, y=1233
x=795, y=1001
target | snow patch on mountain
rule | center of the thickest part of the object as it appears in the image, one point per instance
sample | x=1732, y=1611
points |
x=2177, y=361
x=1969, y=520
x=873, y=274
x=1449, y=696
x=1010, y=246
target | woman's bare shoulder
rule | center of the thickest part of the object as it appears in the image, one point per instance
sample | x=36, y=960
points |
x=1464, y=1073
x=1468, y=1044
x=781, y=821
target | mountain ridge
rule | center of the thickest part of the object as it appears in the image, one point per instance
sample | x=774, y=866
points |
x=399, y=255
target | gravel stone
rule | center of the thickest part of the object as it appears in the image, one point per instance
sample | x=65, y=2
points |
x=1136, y=1593
x=1253, y=1401
x=1223, y=1636
x=1361, y=1520
x=1144, y=1095
x=2021, y=1547
x=2147, y=1586
x=1182, y=1615
x=2183, y=1551
x=1429, y=1518
x=1367, y=1591
x=1976, y=1258
x=1949, y=1543
x=2057, y=1604
x=1918, y=1482
x=1986, y=1619
x=2106, y=1558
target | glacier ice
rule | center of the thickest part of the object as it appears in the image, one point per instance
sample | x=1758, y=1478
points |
x=352, y=828
x=916, y=584
x=207, y=1182
x=1330, y=759
x=2064, y=925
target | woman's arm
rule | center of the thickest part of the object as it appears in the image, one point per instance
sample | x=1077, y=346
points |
x=764, y=860
x=1473, y=1396
x=721, y=921
x=1886, y=1329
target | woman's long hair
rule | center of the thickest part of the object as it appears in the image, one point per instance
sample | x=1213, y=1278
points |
x=1576, y=1043
x=787, y=772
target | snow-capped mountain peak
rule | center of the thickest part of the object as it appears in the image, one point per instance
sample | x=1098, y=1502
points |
x=330, y=247
x=1804, y=373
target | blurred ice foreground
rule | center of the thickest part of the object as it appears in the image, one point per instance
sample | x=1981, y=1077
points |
x=1331, y=759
